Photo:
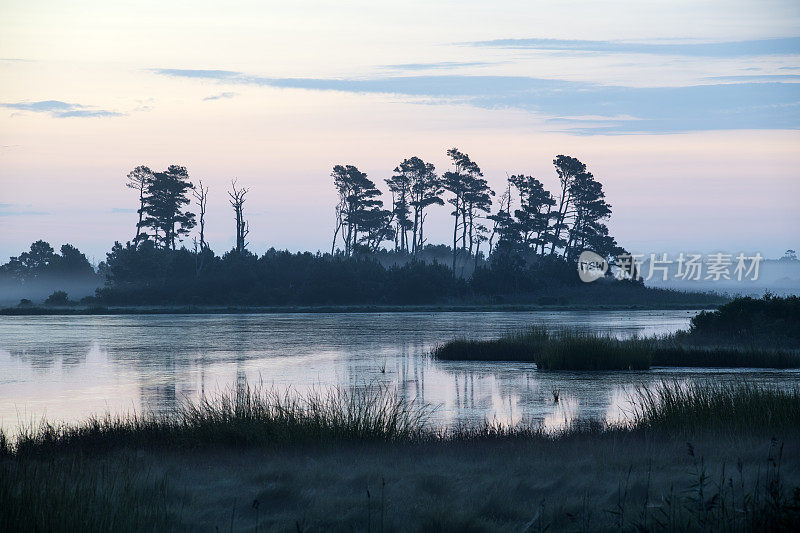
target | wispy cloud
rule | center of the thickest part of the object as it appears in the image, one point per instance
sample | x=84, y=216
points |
x=219, y=96
x=780, y=46
x=757, y=77
x=440, y=65
x=714, y=106
x=200, y=74
x=16, y=210
x=59, y=109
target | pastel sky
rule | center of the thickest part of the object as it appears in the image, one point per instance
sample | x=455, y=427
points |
x=687, y=111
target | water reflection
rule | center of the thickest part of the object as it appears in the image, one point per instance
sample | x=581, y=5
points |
x=66, y=368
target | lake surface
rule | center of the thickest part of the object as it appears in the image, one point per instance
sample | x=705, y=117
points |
x=65, y=368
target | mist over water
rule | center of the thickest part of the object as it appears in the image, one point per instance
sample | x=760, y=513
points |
x=11, y=292
x=66, y=368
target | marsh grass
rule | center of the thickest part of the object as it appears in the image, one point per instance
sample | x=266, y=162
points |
x=581, y=350
x=710, y=498
x=254, y=416
x=97, y=476
x=710, y=406
x=503, y=349
x=553, y=350
x=70, y=493
x=669, y=353
x=586, y=351
x=244, y=416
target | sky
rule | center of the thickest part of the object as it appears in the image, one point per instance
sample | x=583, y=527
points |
x=687, y=111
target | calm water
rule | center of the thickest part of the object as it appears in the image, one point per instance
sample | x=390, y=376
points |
x=65, y=368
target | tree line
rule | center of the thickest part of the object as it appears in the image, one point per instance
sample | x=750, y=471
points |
x=518, y=242
x=529, y=220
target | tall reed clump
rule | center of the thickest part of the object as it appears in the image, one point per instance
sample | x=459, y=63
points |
x=586, y=351
x=255, y=415
x=246, y=415
x=729, y=407
x=5, y=445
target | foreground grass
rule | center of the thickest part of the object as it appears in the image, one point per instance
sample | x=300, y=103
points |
x=733, y=408
x=368, y=460
x=624, y=482
x=246, y=416
x=256, y=417
x=74, y=492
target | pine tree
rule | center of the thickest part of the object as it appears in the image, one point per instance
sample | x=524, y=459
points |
x=166, y=195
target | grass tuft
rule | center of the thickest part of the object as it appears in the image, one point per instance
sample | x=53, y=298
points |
x=730, y=407
x=585, y=351
x=246, y=416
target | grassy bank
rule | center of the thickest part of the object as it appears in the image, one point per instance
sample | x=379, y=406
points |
x=745, y=333
x=575, y=350
x=369, y=461
x=560, y=349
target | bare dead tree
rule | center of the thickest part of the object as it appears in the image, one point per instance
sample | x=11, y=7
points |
x=242, y=226
x=199, y=258
x=339, y=224
x=200, y=194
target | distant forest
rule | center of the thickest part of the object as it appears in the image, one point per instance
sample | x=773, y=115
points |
x=516, y=246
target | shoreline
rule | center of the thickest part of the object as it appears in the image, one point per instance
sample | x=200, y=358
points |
x=302, y=309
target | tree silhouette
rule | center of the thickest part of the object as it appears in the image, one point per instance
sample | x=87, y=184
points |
x=166, y=195
x=471, y=196
x=504, y=226
x=426, y=190
x=589, y=209
x=400, y=187
x=242, y=226
x=71, y=263
x=139, y=179
x=533, y=216
x=477, y=203
x=31, y=264
x=376, y=225
x=414, y=186
x=200, y=194
x=359, y=214
x=42, y=261
x=568, y=169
